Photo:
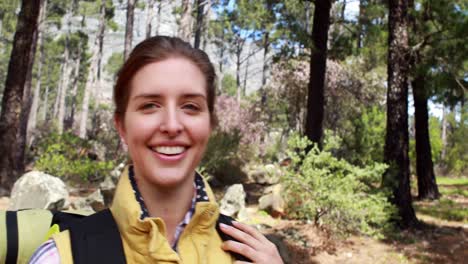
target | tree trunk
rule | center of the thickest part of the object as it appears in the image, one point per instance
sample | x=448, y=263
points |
x=67, y=70
x=58, y=92
x=149, y=16
x=129, y=28
x=74, y=92
x=158, y=20
x=266, y=46
x=238, y=69
x=427, y=186
x=32, y=120
x=11, y=154
x=396, y=139
x=199, y=23
x=206, y=25
x=185, y=31
x=92, y=72
x=318, y=65
x=246, y=76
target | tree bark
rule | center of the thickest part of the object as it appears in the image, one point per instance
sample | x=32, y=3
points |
x=318, y=65
x=149, y=16
x=185, y=31
x=92, y=72
x=444, y=133
x=76, y=78
x=32, y=120
x=199, y=22
x=11, y=154
x=427, y=186
x=396, y=140
x=129, y=28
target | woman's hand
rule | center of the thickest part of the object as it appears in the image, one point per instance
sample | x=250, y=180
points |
x=252, y=244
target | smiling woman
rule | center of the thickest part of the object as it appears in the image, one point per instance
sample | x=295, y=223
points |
x=164, y=210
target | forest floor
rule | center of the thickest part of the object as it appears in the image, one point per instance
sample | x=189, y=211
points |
x=443, y=237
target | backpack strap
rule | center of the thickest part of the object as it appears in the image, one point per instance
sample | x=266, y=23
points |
x=96, y=240
x=11, y=221
x=227, y=220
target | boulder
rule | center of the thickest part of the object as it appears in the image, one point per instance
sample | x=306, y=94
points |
x=233, y=201
x=115, y=173
x=272, y=202
x=268, y=174
x=36, y=189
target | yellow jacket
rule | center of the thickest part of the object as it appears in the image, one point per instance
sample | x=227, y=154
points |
x=144, y=241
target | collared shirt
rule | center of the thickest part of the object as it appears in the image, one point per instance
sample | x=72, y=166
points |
x=48, y=252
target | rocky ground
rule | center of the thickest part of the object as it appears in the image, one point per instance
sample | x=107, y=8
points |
x=443, y=238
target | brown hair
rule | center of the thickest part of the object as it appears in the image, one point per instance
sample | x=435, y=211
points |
x=157, y=49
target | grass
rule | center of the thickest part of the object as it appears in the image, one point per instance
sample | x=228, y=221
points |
x=452, y=180
x=448, y=207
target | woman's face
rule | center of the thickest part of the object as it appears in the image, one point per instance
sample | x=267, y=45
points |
x=167, y=122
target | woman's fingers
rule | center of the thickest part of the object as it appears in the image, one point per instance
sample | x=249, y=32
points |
x=251, y=231
x=251, y=244
x=240, y=248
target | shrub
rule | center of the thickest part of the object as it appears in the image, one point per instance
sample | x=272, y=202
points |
x=69, y=157
x=331, y=191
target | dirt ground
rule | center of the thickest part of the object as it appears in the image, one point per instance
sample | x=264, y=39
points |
x=439, y=241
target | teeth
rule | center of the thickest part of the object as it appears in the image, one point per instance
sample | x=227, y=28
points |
x=169, y=150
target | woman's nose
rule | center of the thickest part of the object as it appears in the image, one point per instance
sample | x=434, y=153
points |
x=171, y=123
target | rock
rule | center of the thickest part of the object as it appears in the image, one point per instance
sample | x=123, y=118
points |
x=107, y=188
x=268, y=174
x=80, y=204
x=272, y=202
x=36, y=189
x=234, y=200
x=115, y=173
x=96, y=201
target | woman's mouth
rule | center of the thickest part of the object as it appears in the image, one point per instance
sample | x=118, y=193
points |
x=169, y=150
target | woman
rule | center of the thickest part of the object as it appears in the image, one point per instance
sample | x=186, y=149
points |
x=164, y=210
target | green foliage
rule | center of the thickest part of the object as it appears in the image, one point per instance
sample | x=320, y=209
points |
x=114, y=63
x=456, y=160
x=66, y=156
x=220, y=158
x=328, y=190
x=435, y=138
x=229, y=85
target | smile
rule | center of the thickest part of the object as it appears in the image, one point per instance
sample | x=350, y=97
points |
x=169, y=150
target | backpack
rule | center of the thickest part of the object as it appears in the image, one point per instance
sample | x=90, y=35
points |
x=94, y=238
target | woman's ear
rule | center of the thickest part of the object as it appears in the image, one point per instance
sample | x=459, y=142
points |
x=119, y=125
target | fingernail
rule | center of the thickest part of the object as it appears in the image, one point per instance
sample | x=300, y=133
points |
x=223, y=226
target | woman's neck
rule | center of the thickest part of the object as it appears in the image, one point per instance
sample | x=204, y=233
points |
x=169, y=203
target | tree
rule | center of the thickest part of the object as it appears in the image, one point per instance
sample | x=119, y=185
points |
x=94, y=69
x=129, y=28
x=185, y=27
x=396, y=139
x=149, y=16
x=318, y=65
x=199, y=22
x=12, y=155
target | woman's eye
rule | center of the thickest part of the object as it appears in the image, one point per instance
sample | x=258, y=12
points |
x=148, y=106
x=191, y=107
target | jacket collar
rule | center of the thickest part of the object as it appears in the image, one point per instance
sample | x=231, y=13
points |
x=147, y=236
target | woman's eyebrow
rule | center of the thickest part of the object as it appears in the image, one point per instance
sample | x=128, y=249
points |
x=147, y=96
x=194, y=95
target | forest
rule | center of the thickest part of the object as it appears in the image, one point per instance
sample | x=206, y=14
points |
x=356, y=108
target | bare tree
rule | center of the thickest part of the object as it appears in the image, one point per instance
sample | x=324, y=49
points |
x=11, y=154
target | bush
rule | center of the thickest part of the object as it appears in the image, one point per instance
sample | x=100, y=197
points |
x=330, y=191
x=69, y=157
